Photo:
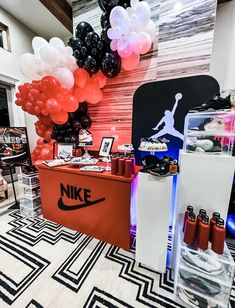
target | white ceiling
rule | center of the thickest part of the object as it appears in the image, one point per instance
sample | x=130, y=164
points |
x=35, y=16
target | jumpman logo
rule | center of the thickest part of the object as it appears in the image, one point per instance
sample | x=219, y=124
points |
x=169, y=121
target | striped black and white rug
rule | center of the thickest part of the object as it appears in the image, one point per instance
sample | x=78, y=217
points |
x=43, y=264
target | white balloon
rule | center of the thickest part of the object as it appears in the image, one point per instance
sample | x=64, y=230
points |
x=143, y=11
x=145, y=41
x=113, y=45
x=151, y=30
x=28, y=71
x=71, y=63
x=134, y=3
x=56, y=42
x=49, y=55
x=69, y=51
x=37, y=60
x=124, y=48
x=65, y=77
x=133, y=39
x=136, y=23
x=111, y=33
x=38, y=42
x=118, y=16
x=27, y=58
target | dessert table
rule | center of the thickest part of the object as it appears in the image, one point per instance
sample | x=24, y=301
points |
x=96, y=204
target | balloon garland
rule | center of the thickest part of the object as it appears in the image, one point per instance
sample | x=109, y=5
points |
x=65, y=79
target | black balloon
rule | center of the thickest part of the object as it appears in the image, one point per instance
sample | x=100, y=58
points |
x=91, y=39
x=111, y=64
x=75, y=43
x=124, y=3
x=91, y=65
x=104, y=20
x=104, y=37
x=77, y=125
x=82, y=29
x=85, y=122
x=107, y=5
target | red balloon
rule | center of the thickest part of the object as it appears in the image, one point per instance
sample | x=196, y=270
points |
x=34, y=93
x=47, y=134
x=40, y=132
x=60, y=118
x=71, y=104
x=80, y=94
x=45, y=112
x=99, y=79
x=18, y=95
x=81, y=77
x=93, y=93
x=50, y=86
x=43, y=97
x=24, y=89
x=45, y=153
x=20, y=101
x=53, y=106
x=46, y=121
x=28, y=105
x=40, y=141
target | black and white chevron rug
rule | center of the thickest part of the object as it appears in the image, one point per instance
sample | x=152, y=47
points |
x=43, y=264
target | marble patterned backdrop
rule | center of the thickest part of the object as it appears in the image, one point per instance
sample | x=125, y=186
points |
x=183, y=45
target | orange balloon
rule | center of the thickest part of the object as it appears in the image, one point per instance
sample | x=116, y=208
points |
x=131, y=62
x=93, y=93
x=71, y=104
x=60, y=118
x=80, y=94
x=81, y=77
x=99, y=79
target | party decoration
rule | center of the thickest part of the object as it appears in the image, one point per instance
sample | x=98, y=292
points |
x=90, y=49
x=132, y=32
x=49, y=58
x=88, y=88
x=69, y=132
x=42, y=151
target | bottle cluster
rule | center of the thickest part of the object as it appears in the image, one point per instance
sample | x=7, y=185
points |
x=200, y=230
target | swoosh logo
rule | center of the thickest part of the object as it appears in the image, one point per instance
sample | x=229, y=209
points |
x=65, y=207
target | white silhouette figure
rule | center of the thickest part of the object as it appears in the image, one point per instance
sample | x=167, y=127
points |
x=169, y=121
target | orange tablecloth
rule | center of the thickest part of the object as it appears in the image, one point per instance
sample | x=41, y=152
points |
x=96, y=204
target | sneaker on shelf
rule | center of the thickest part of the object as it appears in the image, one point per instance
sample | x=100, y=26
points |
x=167, y=166
x=125, y=147
x=214, y=103
x=194, y=300
x=153, y=144
x=205, y=144
x=85, y=137
x=202, y=262
x=188, y=298
x=200, y=284
x=213, y=124
x=148, y=162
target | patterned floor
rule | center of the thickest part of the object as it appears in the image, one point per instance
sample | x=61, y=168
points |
x=43, y=264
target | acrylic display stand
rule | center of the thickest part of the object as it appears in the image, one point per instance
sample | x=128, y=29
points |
x=205, y=181
x=199, y=284
x=153, y=214
x=30, y=202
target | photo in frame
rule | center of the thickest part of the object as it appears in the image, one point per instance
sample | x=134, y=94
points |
x=106, y=146
x=64, y=150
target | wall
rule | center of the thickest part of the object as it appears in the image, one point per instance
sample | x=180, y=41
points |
x=223, y=60
x=21, y=38
x=184, y=36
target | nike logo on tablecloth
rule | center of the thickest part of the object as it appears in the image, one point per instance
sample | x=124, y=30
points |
x=65, y=207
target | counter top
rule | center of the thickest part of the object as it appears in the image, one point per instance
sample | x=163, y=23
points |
x=74, y=169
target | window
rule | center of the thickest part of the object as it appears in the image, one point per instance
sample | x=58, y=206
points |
x=4, y=37
x=4, y=113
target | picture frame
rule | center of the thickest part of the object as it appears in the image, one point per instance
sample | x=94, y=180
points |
x=65, y=149
x=106, y=146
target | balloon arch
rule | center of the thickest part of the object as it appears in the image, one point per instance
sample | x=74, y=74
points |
x=67, y=78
